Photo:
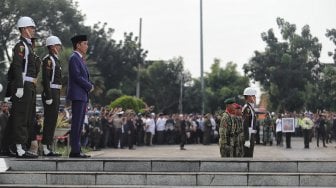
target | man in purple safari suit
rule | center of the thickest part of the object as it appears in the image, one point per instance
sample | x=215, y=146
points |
x=79, y=87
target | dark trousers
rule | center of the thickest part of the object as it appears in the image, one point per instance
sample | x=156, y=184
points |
x=279, y=138
x=50, y=117
x=130, y=140
x=183, y=137
x=148, y=138
x=248, y=152
x=106, y=137
x=140, y=137
x=321, y=134
x=288, y=140
x=306, y=134
x=160, y=137
x=21, y=114
x=78, y=113
x=118, y=138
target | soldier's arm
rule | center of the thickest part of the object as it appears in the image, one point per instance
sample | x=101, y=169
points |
x=46, y=74
x=17, y=64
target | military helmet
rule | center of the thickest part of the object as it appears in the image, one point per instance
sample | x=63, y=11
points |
x=249, y=91
x=25, y=21
x=53, y=40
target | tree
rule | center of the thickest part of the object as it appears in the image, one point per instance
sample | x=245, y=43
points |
x=222, y=84
x=331, y=34
x=285, y=68
x=160, y=83
x=116, y=61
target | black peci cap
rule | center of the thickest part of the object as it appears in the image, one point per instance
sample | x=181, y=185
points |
x=78, y=38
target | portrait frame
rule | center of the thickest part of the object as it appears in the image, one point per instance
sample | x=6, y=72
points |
x=288, y=125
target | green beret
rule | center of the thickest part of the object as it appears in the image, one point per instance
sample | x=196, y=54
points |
x=229, y=101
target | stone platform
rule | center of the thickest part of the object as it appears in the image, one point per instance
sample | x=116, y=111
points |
x=167, y=166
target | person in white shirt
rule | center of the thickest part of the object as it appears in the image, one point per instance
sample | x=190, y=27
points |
x=160, y=129
x=278, y=130
x=149, y=129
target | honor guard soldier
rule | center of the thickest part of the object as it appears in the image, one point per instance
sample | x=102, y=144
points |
x=225, y=129
x=22, y=78
x=249, y=121
x=52, y=84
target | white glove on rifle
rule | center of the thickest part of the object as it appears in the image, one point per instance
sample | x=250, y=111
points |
x=92, y=88
x=7, y=99
x=48, y=102
x=247, y=144
x=19, y=92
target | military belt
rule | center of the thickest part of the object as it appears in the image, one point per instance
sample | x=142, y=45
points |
x=55, y=86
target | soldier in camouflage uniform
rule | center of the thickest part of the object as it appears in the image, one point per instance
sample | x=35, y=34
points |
x=239, y=145
x=267, y=130
x=226, y=143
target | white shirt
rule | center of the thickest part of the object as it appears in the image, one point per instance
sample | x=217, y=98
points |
x=150, y=123
x=278, y=123
x=160, y=124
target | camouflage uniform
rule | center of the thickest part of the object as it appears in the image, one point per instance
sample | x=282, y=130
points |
x=239, y=144
x=267, y=131
x=226, y=143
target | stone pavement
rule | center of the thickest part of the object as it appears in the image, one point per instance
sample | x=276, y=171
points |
x=199, y=151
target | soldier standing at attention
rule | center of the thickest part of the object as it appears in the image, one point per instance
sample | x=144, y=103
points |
x=249, y=121
x=22, y=78
x=267, y=130
x=239, y=145
x=79, y=86
x=225, y=129
x=52, y=84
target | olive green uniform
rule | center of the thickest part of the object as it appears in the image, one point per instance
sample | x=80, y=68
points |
x=226, y=143
x=52, y=84
x=267, y=131
x=239, y=137
x=22, y=73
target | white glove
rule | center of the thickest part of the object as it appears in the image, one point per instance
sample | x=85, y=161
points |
x=92, y=88
x=7, y=99
x=247, y=144
x=48, y=102
x=19, y=92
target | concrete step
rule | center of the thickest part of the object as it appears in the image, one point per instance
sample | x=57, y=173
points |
x=169, y=165
x=168, y=178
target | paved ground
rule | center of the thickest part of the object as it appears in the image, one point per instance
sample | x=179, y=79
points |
x=198, y=151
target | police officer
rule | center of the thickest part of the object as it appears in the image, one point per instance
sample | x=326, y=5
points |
x=225, y=129
x=249, y=121
x=22, y=78
x=52, y=84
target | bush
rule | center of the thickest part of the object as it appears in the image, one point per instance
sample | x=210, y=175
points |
x=128, y=102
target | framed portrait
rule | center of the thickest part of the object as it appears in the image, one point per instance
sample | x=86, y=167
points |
x=288, y=125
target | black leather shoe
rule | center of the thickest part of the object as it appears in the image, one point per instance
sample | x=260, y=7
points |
x=78, y=155
x=27, y=155
x=52, y=154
